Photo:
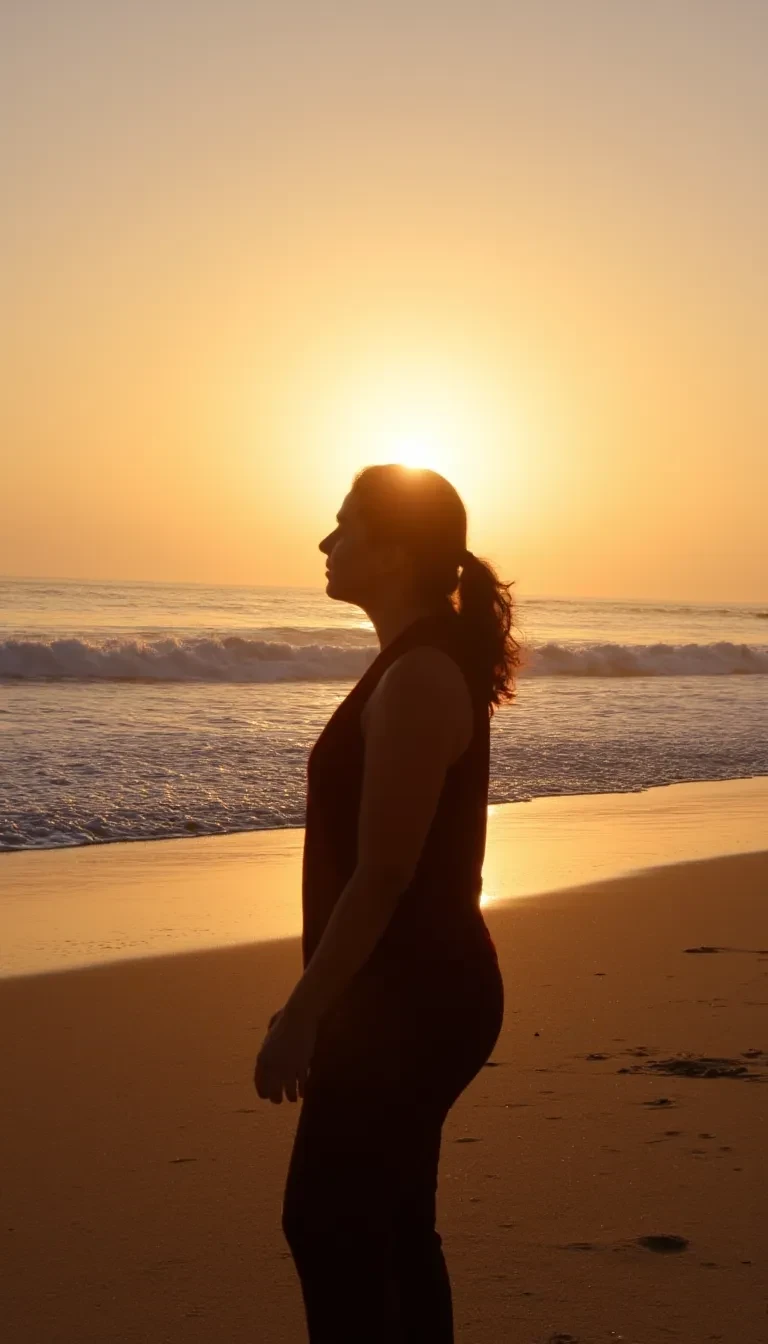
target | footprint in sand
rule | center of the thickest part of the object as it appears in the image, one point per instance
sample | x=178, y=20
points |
x=664, y=1244
x=661, y=1243
x=668, y=1134
x=750, y=951
x=638, y=1052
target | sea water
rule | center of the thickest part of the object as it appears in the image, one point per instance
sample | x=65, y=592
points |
x=136, y=711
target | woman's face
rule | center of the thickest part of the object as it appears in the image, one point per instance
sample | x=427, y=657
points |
x=356, y=567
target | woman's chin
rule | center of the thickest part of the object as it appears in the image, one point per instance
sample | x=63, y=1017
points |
x=332, y=589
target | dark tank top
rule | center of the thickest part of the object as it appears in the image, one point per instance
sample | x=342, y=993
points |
x=437, y=917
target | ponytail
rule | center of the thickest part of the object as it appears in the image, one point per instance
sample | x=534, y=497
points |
x=486, y=613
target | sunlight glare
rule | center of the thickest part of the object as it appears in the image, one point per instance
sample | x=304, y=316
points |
x=434, y=419
x=468, y=421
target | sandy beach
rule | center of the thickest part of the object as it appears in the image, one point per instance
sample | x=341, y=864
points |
x=143, y=1176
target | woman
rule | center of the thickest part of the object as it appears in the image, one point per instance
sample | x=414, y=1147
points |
x=401, y=1000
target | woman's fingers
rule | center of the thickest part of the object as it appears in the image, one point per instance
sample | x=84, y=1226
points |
x=266, y=1082
x=268, y=1079
x=270, y=1087
x=260, y=1082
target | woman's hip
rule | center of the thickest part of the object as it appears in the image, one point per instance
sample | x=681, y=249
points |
x=430, y=1032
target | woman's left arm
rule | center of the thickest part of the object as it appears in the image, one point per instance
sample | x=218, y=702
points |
x=417, y=719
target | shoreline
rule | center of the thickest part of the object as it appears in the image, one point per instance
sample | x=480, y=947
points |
x=98, y=904
x=262, y=830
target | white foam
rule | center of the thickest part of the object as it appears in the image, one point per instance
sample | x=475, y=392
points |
x=237, y=659
x=648, y=660
x=229, y=658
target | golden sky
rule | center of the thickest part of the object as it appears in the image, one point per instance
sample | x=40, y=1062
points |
x=251, y=247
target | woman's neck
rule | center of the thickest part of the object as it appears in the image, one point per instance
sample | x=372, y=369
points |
x=390, y=621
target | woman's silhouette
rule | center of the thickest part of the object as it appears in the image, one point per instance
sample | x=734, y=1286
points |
x=401, y=1000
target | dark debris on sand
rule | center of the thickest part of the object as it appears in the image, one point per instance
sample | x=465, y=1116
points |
x=697, y=1066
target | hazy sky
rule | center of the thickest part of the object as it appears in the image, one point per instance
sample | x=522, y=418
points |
x=249, y=247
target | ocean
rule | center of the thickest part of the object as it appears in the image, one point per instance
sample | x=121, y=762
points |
x=143, y=711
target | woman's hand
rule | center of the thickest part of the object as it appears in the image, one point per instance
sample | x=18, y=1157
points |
x=282, y=1063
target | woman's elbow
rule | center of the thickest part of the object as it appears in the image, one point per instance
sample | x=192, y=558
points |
x=387, y=877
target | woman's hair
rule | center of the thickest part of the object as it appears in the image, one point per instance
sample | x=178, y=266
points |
x=423, y=512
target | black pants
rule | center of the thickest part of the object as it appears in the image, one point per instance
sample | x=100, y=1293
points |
x=359, y=1205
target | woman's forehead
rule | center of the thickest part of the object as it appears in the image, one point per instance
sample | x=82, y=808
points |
x=348, y=510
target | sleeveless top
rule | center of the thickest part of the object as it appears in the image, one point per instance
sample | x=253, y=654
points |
x=438, y=914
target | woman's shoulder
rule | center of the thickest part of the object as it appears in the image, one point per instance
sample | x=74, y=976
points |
x=425, y=667
x=422, y=679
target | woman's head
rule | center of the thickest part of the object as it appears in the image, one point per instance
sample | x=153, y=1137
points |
x=403, y=531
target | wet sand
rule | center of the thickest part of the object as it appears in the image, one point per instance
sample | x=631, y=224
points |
x=627, y=1099
x=113, y=902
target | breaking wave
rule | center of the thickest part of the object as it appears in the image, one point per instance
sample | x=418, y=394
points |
x=235, y=658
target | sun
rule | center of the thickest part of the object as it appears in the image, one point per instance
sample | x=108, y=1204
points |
x=418, y=450
x=418, y=423
x=425, y=411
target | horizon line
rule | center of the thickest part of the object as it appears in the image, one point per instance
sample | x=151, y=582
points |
x=309, y=588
